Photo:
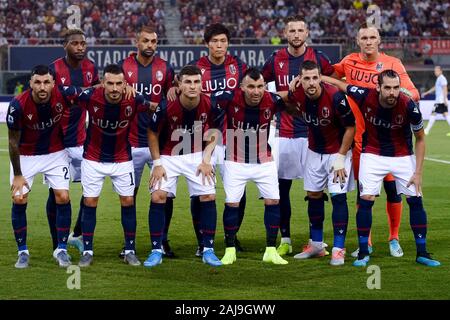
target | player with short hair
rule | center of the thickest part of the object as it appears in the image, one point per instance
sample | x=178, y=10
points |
x=188, y=117
x=36, y=146
x=441, y=105
x=362, y=69
x=152, y=77
x=74, y=69
x=389, y=117
x=331, y=128
x=107, y=153
x=249, y=111
x=220, y=71
x=292, y=139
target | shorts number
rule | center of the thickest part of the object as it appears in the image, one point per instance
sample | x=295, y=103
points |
x=66, y=173
x=131, y=177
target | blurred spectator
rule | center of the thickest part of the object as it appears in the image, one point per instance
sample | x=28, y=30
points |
x=18, y=89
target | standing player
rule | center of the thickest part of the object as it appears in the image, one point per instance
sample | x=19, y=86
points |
x=220, y=71
x=72, y=70
x=441, y=105
x=248, y=111
x=292, y=140
x=188, y=117
x=331, y=128
x=36, y=146
x=152, y=77
x=362, y=69
x=389, y=116
x=107, y=153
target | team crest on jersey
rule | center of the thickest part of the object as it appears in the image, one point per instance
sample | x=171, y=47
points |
x=399, y=119
x=325, y=112
x=159, y=75
x=379, y=66
x=232, y=69
x=59, y=107
x=267, y=114
x=89, y=76
x=203, y=117
x=63, y=80
x=128, y=111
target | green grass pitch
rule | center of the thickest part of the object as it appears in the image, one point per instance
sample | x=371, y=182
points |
x=186, y=277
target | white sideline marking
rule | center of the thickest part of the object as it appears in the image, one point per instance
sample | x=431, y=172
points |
x=437, y=160
x=4, y=150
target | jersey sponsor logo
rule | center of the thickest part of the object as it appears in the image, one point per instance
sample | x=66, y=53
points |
x=383, y=123
x=89, y=76
x=130, y=73
x=96, y=108
x=44, y=124
x=267, y=114
x=315, y=121
x=59, y=107
x=10, y=119
x=202, y=70
x=281, y=64
x=128, y=111
x=174, y=119
x=416, y=110
x=30, y=116
x=379, y=66
x=361, y=76
x=63, y=80
x=353, y=89
x=343, y=102
x=240, y=125
x=325, y=112
x=151, y=89
x=159, y=75
x=107, y=124
x=284, y=80
x=203, y=117
x=232, y=69
x=222, y=84
x=236, y=109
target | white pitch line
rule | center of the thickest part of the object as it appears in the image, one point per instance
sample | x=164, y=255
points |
x=437, y=160
x=4, y=150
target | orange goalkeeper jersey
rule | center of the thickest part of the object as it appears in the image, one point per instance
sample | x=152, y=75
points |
x=360, y=72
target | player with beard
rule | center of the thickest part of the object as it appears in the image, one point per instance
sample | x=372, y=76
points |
x=76, y=70
x=152, y=77
x=292, y=139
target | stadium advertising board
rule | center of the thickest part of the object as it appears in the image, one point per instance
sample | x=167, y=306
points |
x=178, y=56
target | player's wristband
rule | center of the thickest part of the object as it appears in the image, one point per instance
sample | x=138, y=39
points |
x=157, y=163
x=339, y=162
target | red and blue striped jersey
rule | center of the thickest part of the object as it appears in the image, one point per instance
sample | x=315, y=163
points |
x=40, y=124
x=282, y=67
x=74, y=120
x=109, y=124
x=181, y=131
x=326, y=117
x=388, y=130
x=247, y=126
x=153, y=82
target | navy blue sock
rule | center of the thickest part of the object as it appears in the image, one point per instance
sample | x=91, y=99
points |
x=363, y=225
x=340, y=219
x=418, y=222
x=168, y=211
x=208, y=222
x=129, y=226
x=391, y=192
x=19, y=223
x=316, y=213
x=63, y=220
x=195, y=212
x=242, y=205
x=51, y=217
x=156, y=224
x=88, y=222
x=272, y=223
x=77, y=228
x=285, y=207
x=230, y=224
